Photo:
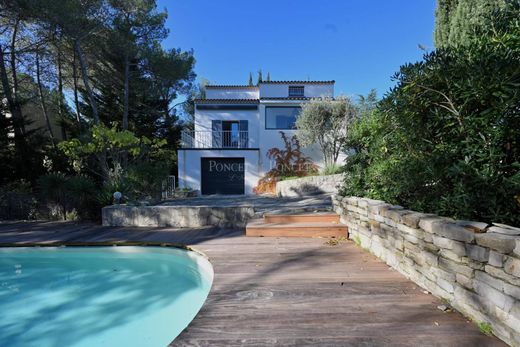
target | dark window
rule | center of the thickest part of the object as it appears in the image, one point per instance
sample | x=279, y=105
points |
x=296, y=91
x=281, y=117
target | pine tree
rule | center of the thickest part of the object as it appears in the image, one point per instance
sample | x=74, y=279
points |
x=250, y=83
x=259, y=77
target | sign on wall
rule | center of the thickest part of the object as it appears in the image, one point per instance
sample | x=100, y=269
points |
x=222, y=176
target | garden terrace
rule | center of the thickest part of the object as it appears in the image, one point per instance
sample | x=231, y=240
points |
x=223, y=211
x=474, y=266
x=288, y=292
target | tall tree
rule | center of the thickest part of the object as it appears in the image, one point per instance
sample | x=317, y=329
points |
x=198, y=91
x=105, y=55
x=136, y=24
x=83, y=23
x=10, y=27
x=250, y=82
x=42, y=97
x=259, y=79
x=460, y=22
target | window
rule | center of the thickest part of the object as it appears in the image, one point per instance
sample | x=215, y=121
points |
x=229, y=134
x=281, y=117
x=296, y=91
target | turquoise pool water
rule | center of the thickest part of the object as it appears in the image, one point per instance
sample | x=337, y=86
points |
x=99, y=296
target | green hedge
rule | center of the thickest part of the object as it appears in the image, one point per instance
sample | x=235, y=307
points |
x=446, y=139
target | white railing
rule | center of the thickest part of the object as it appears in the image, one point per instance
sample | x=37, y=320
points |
x=215, y=139
x=168, y=187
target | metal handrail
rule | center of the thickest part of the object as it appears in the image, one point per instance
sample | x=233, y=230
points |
x=215, y=139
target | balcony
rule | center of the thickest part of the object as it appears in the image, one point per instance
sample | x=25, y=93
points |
x=215, y=139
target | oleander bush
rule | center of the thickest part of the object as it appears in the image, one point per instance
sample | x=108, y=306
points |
x=446, y=138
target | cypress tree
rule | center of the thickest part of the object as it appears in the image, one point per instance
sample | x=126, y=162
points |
x=442, y=21
x=268, y=78
x=259, y=77
x=250, y=83
x=459, y=22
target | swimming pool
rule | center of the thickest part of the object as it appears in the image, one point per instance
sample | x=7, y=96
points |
x=99, y=296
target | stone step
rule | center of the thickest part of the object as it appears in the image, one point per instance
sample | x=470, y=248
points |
x=259, y=227
x=303, y=218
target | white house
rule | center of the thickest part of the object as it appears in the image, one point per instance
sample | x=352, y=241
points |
x=235, y=126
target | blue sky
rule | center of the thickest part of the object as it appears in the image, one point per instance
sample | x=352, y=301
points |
x=358, y=43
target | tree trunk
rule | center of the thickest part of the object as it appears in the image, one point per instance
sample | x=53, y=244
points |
x=84, y=74
x=17, y=115
x=76, y=98
x=124, y=161
x=126, y=93
x=12, y=48
x=19, y=130
x=42, y=98
x=60, y=95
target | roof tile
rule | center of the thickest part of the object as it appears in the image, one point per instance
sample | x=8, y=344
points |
x=226, y=101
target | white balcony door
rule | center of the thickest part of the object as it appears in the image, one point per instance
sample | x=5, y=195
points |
x=230, y=134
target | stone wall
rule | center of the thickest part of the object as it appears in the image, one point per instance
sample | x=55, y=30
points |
x=311, y=185
x=177, y=216
x=475, y=266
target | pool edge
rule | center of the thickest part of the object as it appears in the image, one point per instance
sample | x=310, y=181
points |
x=105, y=244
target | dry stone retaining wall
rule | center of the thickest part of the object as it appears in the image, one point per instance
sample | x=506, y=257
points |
x=311, y=185
x=473, y=265
x=177, y=216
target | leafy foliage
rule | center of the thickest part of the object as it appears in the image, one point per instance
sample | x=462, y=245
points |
x=446, y=139
x=331, y=169
x=460, y=22
x=326, y=122
x=145, y=180
x=77, y=71
x=288, y=162
x=69, y=193
x=103, y=151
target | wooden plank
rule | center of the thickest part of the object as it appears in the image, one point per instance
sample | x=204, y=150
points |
x=303, y=229
x=302, y=218
x=292, y=292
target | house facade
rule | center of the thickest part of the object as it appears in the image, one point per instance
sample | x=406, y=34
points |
x=235, y=126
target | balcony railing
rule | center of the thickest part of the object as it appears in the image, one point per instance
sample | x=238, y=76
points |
x=215, y=139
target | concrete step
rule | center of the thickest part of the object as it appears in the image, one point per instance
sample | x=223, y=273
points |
x=303, y=218
x=259, y=227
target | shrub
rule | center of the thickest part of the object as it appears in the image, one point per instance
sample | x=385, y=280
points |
x=107, y=152
x=105, y=195
x=17, y=201
x=145, y=180
x=82, y=192
x=446, y=139
x=289, y=162
x=72, y=195
x=331, y=169
x=52, y=188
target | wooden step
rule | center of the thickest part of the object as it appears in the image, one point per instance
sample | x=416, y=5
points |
x=302, y=218
x=308, y=229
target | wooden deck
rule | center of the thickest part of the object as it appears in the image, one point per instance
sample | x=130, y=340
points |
x=289, y=291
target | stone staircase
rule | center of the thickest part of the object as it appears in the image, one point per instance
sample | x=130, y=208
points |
x=319, y=224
